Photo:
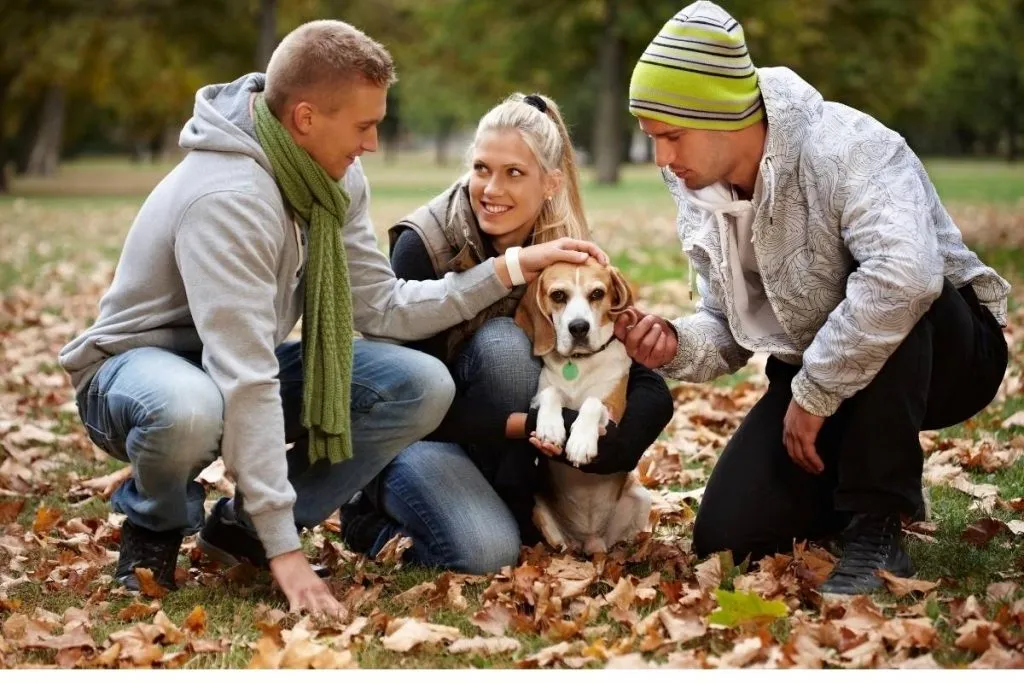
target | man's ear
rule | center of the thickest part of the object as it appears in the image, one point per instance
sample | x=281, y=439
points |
x=532, y=316
x=622, y=293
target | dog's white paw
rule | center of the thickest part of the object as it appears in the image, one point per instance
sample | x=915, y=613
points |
x=582, y=446
x=551, y=428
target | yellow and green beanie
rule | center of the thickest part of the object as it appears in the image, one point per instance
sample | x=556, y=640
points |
x=697, y=73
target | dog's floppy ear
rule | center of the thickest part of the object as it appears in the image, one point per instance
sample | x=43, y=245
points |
x=532, y=316
x=622, y=293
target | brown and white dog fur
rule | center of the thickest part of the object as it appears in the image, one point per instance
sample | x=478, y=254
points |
x=569, y=313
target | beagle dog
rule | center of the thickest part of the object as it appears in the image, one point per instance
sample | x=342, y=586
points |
x=569, y=314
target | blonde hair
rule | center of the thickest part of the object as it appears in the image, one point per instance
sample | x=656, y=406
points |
x=321, y=55
x=547, y=137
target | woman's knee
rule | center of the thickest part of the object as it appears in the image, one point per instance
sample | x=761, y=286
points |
x=500, y=356
x=486, y=547
x=434, y=490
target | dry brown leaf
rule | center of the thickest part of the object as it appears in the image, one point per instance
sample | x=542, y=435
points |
x=925, y=661
x=268, y=654
x=623, y=595
x=1016, y=527
x=200, y=647
x=1002, y=591
x=681, y=627
x=10, y=509
x=195, y=622
x=46, y=519
x=980, y=532
x=137, y=610
x=77, y=637
x=148, y=585
x=411, y=633
x=709, y=573
x=743, y=653
x=547, y=656
x=392, y=551
x=633, y=660
x=866, y=655
x=1015, y=420
x=483, y=646
x=171, y=634
x=493, y=619
x=997, y=657
x=899, y=586
x=976, y=635
x=905, y=634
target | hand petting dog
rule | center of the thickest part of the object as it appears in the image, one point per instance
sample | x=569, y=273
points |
x=649, y=339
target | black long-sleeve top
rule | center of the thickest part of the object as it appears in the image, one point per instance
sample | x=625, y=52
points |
x=648, y=401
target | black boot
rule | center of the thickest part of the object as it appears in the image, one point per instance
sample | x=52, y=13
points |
x=225, y=540
x=870, y=542
x=361, y=523
x=228, y=542
x=153, y=550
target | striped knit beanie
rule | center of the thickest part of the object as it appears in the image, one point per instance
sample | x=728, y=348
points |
x=697, y=73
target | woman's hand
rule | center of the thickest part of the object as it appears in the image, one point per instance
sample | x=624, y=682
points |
x=535, y=258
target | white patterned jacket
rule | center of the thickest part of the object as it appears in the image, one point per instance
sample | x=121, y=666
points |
x=852, y=243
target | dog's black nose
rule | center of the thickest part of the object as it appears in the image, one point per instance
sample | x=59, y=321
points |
x=579, y=328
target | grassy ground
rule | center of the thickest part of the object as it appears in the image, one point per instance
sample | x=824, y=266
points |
x=60, y=240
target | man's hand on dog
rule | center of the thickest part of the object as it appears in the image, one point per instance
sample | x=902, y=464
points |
x=537, y=257
x=649, y=339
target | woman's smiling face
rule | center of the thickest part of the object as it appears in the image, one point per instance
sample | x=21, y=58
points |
x=507, y=186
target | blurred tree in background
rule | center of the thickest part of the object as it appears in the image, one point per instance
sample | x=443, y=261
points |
x=119, y=76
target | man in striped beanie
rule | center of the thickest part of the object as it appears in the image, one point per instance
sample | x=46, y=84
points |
x=816, y=238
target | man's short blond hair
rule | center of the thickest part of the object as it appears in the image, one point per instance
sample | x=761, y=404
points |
x=320, y=56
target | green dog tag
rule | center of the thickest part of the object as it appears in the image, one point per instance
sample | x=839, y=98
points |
x=570, y=371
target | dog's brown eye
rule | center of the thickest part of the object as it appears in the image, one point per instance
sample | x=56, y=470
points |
x=597, y=295
x=558, y=296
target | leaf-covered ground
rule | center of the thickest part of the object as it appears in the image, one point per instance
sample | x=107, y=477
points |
x=650, y=604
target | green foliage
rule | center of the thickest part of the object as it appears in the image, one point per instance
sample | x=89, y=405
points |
x=736, y=608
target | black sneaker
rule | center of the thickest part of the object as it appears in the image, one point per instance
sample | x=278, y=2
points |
x=361, y=523
x=870, y=542
x=154, y=550
x=225, y=540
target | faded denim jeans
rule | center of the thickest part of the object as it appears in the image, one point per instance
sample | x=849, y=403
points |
x=443, y=495
x=160, y=412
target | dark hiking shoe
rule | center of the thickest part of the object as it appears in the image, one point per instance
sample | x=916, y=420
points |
x=225, y=540
x=361, y=524
x=870, y=543
x=153, y=550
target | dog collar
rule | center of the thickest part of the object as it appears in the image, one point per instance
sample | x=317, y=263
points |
x=571, y=371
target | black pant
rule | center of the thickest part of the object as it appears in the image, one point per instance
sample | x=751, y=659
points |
x=758, y=501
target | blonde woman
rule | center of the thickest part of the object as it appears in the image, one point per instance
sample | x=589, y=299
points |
x=465, y=494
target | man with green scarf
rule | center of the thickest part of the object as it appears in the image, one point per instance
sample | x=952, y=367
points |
x=263, y=222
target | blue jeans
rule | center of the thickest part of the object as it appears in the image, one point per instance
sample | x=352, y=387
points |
x=160, y=412
x=458, y=502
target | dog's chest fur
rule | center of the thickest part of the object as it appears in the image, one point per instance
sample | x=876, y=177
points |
x=599, y=374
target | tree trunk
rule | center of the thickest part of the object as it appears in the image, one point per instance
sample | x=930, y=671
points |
x=5, y=83
x=444, y=131
x=608, y=125
x=45, y=153
x=267, y=40
x=169, y=142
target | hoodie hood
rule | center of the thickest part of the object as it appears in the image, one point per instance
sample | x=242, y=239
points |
x=221, y=121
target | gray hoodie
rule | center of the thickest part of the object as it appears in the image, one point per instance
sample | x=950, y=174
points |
x=214, y=262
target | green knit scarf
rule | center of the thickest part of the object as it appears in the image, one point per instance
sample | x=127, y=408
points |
x=327, y=315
